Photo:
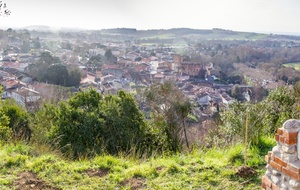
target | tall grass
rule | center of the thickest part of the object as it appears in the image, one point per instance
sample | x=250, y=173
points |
x=199, y=169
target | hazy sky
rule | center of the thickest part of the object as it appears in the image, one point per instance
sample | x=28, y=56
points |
x=242, y=15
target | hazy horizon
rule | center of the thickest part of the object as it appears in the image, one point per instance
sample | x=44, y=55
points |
x=261, y=16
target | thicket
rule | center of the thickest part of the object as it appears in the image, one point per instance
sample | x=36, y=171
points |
x=263, y=118
x=169, y=112
x=14, y=122
x=90, y=123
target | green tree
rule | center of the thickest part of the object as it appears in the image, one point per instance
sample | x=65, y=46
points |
x=44, y=121
x=19, y=120
x=89, y=123
x=37, y=44
x=125, y=125
x=258, y=93
x=38, y=69
x=74, y=76
x=297, y=89
x=279, y=106
x=5, y=130
x=234, y=122
x=183, y=109
x=109, y=56
x=169, y=109
x=264, y=117
x=79, y=126
x=95, y=62
x=237, y=93
x=25, y=48
x=56, y=74
x=50, y=69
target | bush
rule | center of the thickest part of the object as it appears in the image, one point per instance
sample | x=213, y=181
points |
x=90, y=124
x=18, y=120
x=263, y=118
x=5, y=133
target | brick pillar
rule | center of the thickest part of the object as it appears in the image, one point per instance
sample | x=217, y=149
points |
x=283, y=164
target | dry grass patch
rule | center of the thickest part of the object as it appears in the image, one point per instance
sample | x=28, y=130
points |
x=30, y=181
x=97, y=173
x=134, y=183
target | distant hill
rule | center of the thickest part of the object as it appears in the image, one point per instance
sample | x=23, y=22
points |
x=195, y=34
x=38, y=28
x=180, y=35
x=49, y=28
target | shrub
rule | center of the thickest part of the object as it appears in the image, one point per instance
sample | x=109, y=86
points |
x=17, y=121
x=89, y=124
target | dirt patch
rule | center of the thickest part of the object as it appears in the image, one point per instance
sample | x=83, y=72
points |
x=159, y=168
x=30, y=181
x=245, y=171
x=97, y=173
x=135, y=183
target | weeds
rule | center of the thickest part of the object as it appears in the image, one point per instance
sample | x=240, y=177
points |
x=210, y=169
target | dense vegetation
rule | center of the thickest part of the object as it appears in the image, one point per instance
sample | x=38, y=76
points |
x=49, y=69
x=212, y=169
x=90, y=124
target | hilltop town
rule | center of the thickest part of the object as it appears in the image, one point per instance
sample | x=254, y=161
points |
x=88, y=100
x=211, y=69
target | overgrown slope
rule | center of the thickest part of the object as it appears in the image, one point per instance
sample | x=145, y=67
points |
x=27, y=166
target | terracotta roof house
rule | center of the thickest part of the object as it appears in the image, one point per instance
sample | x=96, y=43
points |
x=142, y=67
x=10, y=84
x=159, y=77
x=191, y=68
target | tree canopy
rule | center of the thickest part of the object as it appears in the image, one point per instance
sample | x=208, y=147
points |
x=50, y=69
x=14, y=121
x=90, y=123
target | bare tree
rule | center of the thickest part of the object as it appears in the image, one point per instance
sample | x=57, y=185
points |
x=4, y=11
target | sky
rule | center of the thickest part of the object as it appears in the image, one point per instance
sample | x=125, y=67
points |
x=267, y=16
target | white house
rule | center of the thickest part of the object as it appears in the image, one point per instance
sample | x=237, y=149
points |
x=27, y=98
x=226, y=99
x=203, y=99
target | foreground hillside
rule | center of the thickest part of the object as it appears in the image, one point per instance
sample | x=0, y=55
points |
x=31, y=167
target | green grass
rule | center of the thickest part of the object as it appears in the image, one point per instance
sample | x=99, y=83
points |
x=220, y=36
x=161, y=36
x=296, y=66
x=199, y=169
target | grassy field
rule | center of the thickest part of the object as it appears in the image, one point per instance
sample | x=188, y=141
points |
x=219, y=36
x=296, y=66
x=26, y=166
x=161, y=36
x=191, y=35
